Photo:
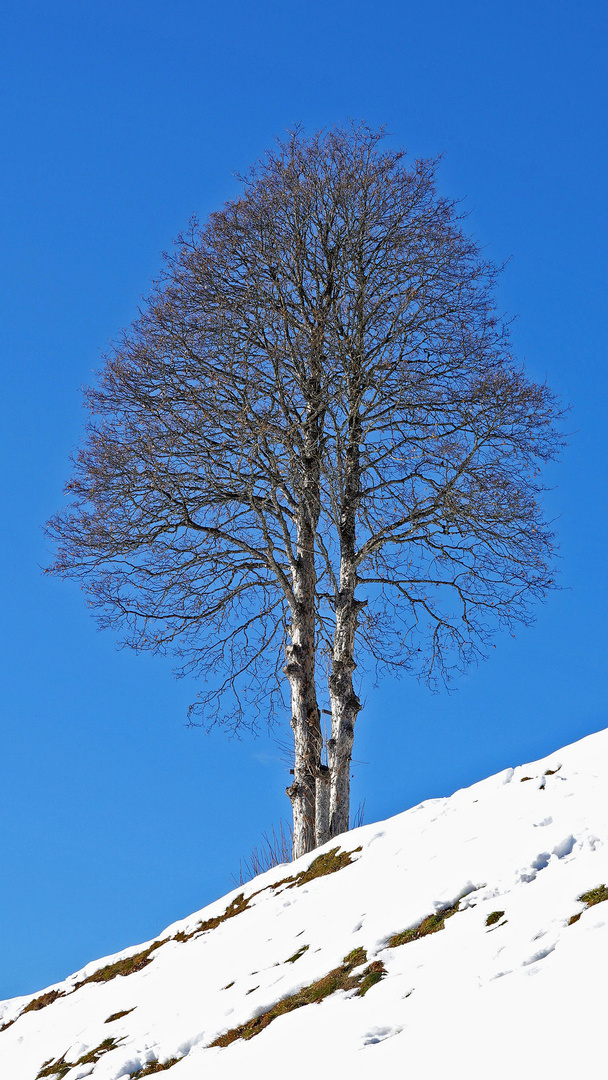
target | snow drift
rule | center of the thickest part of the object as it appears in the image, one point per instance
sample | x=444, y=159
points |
x=466, y=937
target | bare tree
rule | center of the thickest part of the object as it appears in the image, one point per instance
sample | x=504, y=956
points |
x=314, y=445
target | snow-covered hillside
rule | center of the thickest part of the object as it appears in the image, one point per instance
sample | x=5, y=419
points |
x=309, y=970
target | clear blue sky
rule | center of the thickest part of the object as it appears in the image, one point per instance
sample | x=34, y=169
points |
x=119, y=120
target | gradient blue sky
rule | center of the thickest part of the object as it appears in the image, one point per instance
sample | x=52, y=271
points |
x=118, y=121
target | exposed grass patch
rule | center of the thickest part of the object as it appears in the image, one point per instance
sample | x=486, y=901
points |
x=372, y=975
x=494, y=917
x=94, y=1055
x=128, y=966
x=60, y=1067
x=297, y=955
x=153, y=1067
x=56, y=1068
x=524, y=778
x=42, y=1001
x=355, y=957
x=594, y=896
x=552, y=772
x=8, y=1024
x=110, y=971
x=590, y=899
x=341, y=978
x=118, y=1015
x=328, y=863
x=236, y=906
x=431, y=925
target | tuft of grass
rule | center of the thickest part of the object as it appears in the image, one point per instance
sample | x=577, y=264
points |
x=590, y=899
x=297, y=955
x=56, y=1068
x=59, y=1068
x=594, y=896
x=431, y=925
x=357, y=819
x=552, y=772
x=93, y=1055
x=372, y=975
x=128, y=966
x=42, y=1001
x=341, y=978
x=104, y=974
x=118, y=1015
x=275, y=849
x=355, y=957
x=238, y=905
x=524, y=778
x=153, y=1067
x=494, y=917
x=328, y=863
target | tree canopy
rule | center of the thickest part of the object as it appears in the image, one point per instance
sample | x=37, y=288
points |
x=314, y=447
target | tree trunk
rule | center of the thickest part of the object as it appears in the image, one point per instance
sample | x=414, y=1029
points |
x=305, y=715
x=345, y=706
x=323, y=786
x=307, y=793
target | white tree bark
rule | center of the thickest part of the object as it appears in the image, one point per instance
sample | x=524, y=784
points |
x=323, y=788
x=345, y=705
x=305, y=716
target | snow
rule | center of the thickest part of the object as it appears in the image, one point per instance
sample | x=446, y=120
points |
x=521, y=995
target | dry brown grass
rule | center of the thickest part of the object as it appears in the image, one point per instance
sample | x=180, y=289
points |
x=60, y=1067
x=238, y=905
x=431, y=925
x=494, y=917
x=42, y=1001
x=128, y=966
x=297, y=955
x=328, y=863
x=153, y=1067
x=341, y=978
x=118, y=1015
x=590, y=899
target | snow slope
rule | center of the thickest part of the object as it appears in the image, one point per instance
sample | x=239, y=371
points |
x=523, y=994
